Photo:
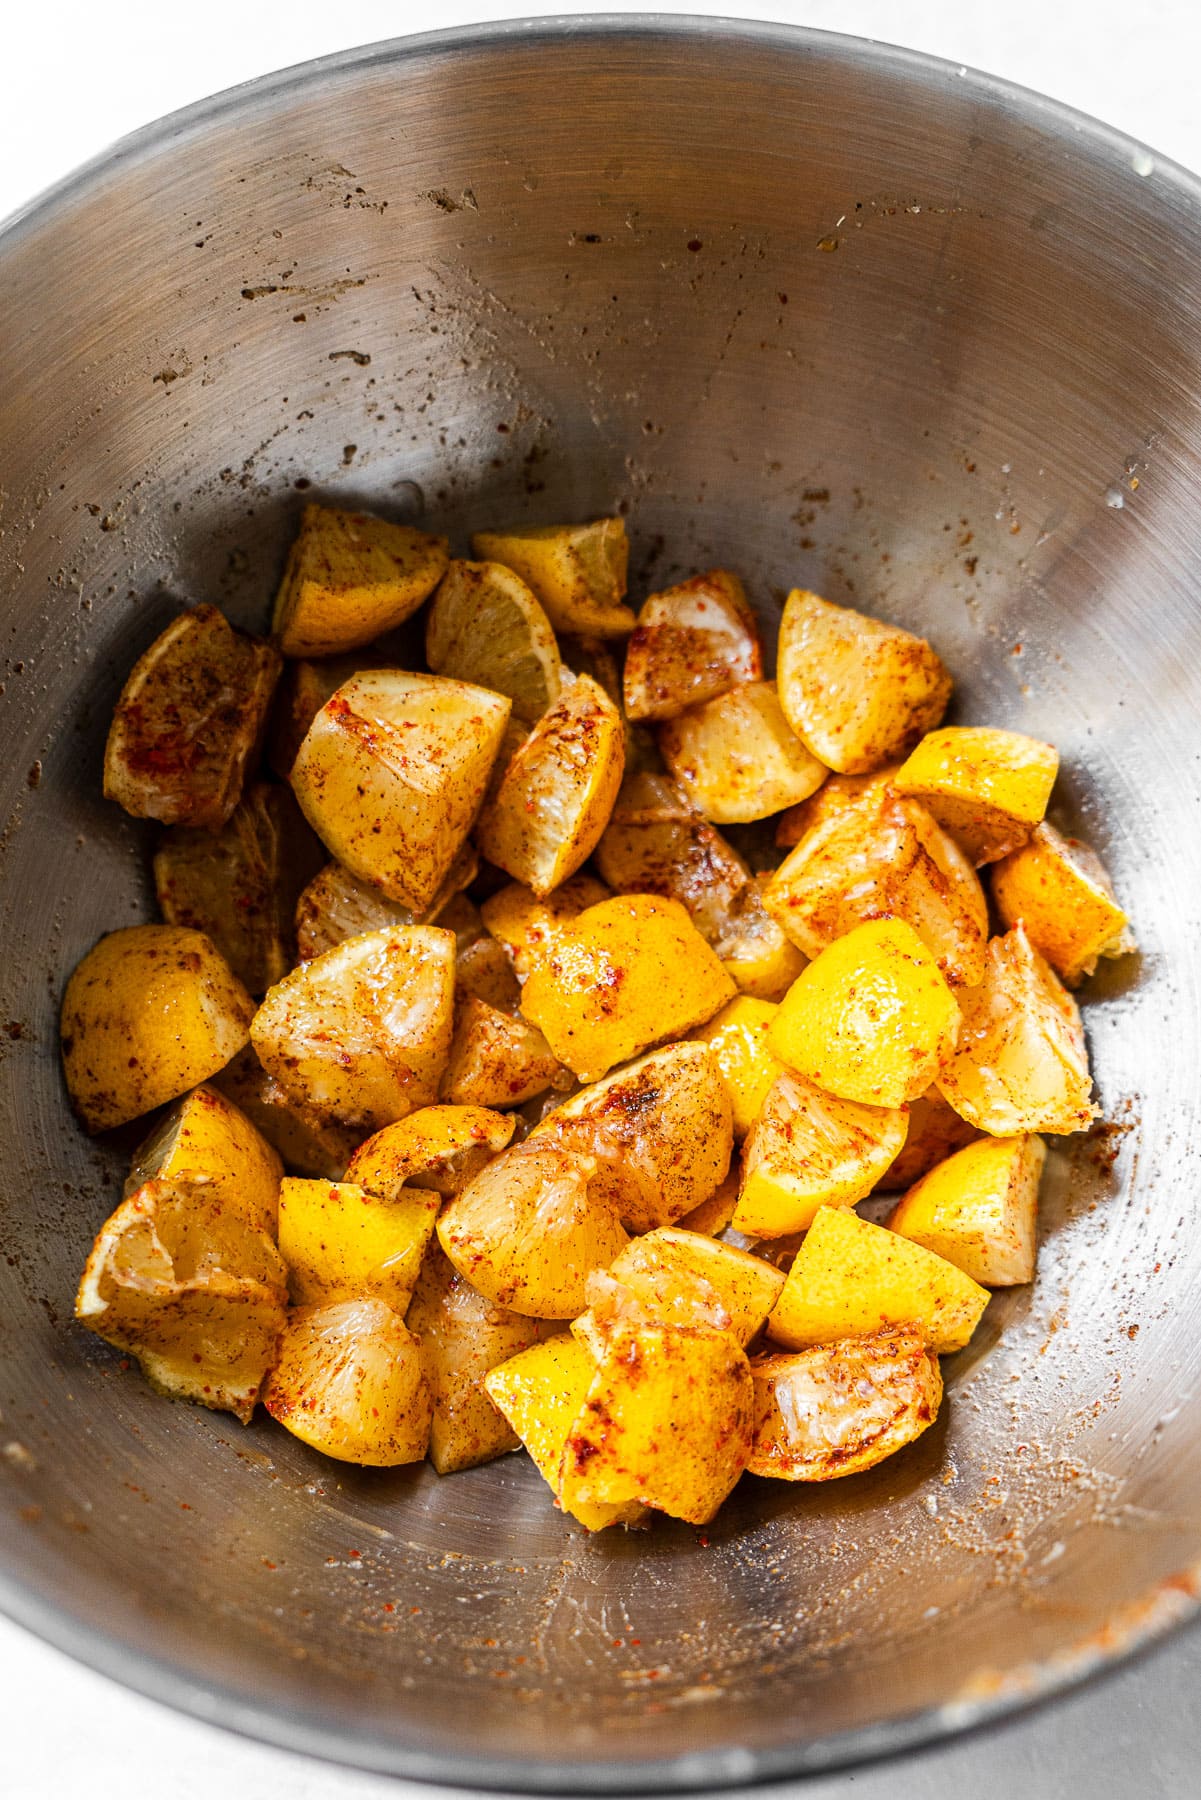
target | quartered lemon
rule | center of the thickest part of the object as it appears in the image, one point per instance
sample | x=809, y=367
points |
x=206, y=1137
x=553, y=801
x=530, y=1229
x=189, y=717
x=351, y=577
x=627, y=974
x=190, y=1286
x=485, y=626
x=337, y=905
x=440, y=1147
x=462, y=1337
x=149, y=1012
x=528, y=927
x=541, y=1392
x=577, y=572
x=838, y=1408
x=342, y=1243
x=350, y=1383
x=871, y=1019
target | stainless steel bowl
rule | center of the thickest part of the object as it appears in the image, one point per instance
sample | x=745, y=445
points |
x=836, y=315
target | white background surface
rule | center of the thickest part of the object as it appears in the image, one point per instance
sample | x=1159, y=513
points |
x=75, y=77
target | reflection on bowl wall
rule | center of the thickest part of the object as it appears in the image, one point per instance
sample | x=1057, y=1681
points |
x=835, y=316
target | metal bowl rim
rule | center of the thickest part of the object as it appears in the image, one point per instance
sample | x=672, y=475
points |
x=291, y=1728
x=499, y=34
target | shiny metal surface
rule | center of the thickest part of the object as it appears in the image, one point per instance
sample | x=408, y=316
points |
x=835, y=315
